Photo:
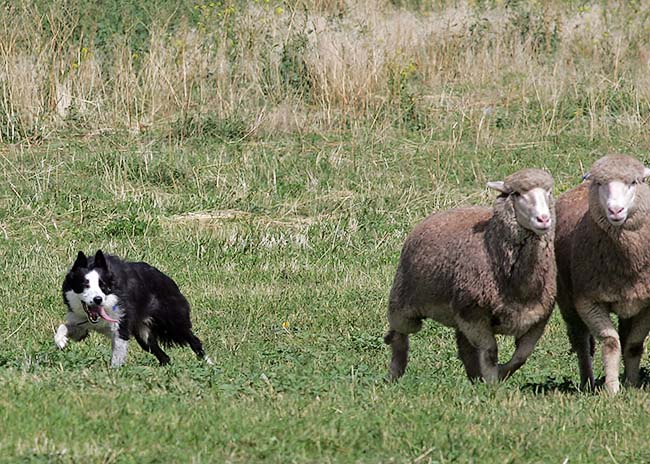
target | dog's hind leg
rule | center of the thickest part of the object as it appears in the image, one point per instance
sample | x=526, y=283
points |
x=152, y=346
x=197, y=347
x=160, y=355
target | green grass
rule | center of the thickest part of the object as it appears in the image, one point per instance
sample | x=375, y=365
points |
x=286, y=248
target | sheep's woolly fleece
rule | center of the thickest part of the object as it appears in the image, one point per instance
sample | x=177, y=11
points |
x=478, y=270
x=528, y=179
x=616, y=167
x=477, y=257
x=598, y=262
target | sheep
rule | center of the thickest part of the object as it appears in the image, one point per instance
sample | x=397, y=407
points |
x=482, y=271
x=603, y=261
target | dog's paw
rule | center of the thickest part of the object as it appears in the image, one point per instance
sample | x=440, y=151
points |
x=61, y=336
x=120, y=347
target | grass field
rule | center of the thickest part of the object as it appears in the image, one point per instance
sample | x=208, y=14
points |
x=284, y=234
x=286, y=249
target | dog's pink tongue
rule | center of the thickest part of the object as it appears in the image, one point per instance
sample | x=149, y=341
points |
x=106, y=317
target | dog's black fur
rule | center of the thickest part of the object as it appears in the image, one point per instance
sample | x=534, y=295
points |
x=150, y=306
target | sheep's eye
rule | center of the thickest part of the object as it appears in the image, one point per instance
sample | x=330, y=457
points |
x=515, y=194
x=635, y=181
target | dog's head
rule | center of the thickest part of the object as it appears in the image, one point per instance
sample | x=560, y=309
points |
x=89, y=284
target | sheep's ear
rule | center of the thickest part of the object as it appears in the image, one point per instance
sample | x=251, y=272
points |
x=646, y=173
x=499, y=186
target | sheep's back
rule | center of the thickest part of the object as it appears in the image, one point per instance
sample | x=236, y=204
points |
x=444, y=254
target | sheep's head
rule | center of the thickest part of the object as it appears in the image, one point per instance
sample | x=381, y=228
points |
x=615, y=181
x=530, y=191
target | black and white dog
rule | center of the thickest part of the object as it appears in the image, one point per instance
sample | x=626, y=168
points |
x=121, y=299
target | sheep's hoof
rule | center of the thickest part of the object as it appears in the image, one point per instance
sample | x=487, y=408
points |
x=504, y=372
x=395, y=374
x=612, y=388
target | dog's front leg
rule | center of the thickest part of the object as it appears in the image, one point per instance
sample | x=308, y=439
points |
x=120, y=344
x=72, y=329
x=61, y=336
x=120, y=348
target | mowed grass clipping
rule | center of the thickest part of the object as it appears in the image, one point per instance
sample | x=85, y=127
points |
x=286, y=248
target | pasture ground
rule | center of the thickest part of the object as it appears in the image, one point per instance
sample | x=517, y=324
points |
x=286, y=248
x=271, y=156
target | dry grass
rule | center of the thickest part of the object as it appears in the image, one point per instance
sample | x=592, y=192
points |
x=234, y=69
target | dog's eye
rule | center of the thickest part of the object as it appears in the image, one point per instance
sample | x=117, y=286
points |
x=86, y=283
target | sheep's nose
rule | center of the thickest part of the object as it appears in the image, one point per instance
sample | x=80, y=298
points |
x=543, y=218
x=98, y=300
x=616, y=210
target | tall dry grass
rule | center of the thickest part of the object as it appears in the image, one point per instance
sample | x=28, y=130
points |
x=236, y=68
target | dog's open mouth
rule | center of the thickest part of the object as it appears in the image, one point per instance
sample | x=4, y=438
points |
x=94, y=313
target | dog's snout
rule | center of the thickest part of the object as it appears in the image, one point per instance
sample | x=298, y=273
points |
x=98, y=300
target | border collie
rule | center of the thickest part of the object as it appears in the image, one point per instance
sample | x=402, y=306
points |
x=121, y=299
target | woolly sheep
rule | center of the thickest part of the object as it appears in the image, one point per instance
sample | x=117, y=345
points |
x=482, y=271
x=603, y=260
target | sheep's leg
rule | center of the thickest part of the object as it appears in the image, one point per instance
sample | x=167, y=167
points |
x=524, y=348
x=399, y=344
x=401, y=325
x=469, y=356
x=633, y=332
x=596, y=317
x=583, y=344
x=482, y=338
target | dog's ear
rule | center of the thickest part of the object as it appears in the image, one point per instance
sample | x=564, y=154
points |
x=100, y=260
x=80, y=262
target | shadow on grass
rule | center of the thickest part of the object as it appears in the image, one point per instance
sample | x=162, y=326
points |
x=567, y=386
x=551, y=385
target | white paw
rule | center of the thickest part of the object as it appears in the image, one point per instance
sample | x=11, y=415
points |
x=61, y=336
x=208, y=361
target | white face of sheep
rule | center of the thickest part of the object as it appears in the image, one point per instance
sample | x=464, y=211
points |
x=531, y=207
x=616, y=199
